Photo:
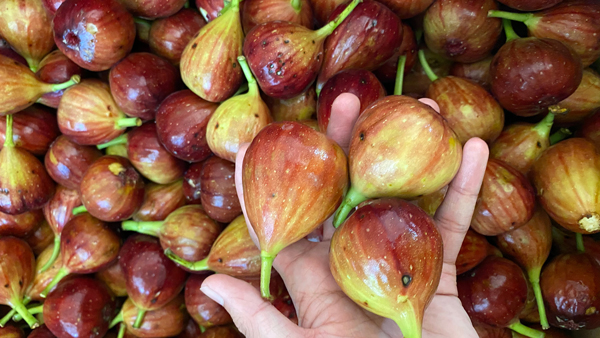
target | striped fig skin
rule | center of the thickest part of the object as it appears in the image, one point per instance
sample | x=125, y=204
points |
x=506, y=200
x=34, y=129
x=583, y=102
x=59, y=210
x=168, y=37
x=567, y=179
x=323, y=9
x=474, y=249
x=406, y=9
x=255, y=12
x=530, y=5
x=166, y=321
x=67, y=161
x=217, y=184
x=468, y=108
x=478, y=72
x=20, y=225
x=403, y=148
x=209, y=64
x=159, y=201
x=295, y=178
x=17, y=269
x=387, y=257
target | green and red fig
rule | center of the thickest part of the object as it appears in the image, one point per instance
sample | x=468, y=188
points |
x=255, y=12
x=583, y=102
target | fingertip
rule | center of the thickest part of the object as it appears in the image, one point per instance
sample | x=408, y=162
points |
x=344, y=112
x=431, y=103
x=477, y=146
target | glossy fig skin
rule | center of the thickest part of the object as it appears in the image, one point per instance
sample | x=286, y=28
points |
x=359, y=82
x=213, y=73
x=461, y=31
x=152, y=9
x=81, y=306
x=153, y=280
x=10, y=331
x=409, y=47
x=99, y=48
x=219, y=196
x=255, y=12
x=192, y=187
x=111, y=189
x=398, y=236
x=27, y=27
x=406, y=9
x=468, y=108
x=169, y=36
x=52, y=5
x=521, y=69
x=20, y=225
x=41, y=332
x=425, y=174
x=56, y=68
x=474, y=249
x=114, y=278
x=34, y=129
x=290, y=204
x=181, y=122
x=366, y=39
x=571, y=289
x=506, y=200
x=59, y=210
x=159, y=201
x=478, y=72
x=17, y=267
x=43, y=279
x=41, y=238
x=168, y=321
x=88, y=115
x=140, y=82
x=322, y=9
x=298, y=108
x=583, y=102
x=494, y=293
x=205, y=311
x=67, y=161
x=211, y=7
x=530, y=5
x=150, y=158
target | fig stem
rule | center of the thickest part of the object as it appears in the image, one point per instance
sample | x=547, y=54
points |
x=60, y=86
x=141, y=21
x=428, y=71
x=79, y=210
x=235, y=4
x=266, y=263
x=62, y=273
x=560, y=135
x=139, y=318
x=36, y=309
x=352, y=199
x=201, y=265
x=13, y=313
x=400, y=75
x=252, y=85
x=202, y=328
x=55, y=253
x=409, y=324
x=521, y=17
x=34, y=65
x=121, y=139
x=579, y=241
x=147, y=228
x=526, y=331
x=243, y=88
x=534, y=278
x=24, y=312
x=118, y=319
x=128, y=122
x=297, y=5
x=332, y=25
x=122, y=328
x=8, y=136
x=544, y=126
x=509, y=31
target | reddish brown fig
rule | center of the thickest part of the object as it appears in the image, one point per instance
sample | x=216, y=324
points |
x=67, y=161
x=20, y=225
x=474, y=249
x=221, y=332
x=255, y=12
x=506, y=200
x=590, y=129
x=167, y=321
x=140, y=82
x=41, y=238
x=406, y=9
x=298, y=108
x=169, y=36
x=388, y=71
x=88, y=115
x=152, y=9
x=416, y=81
x=191, y=184
x=571, y=288
x=114, y=278
x=56, y=68
x=159, y=201
x=219, y=196
x=233, y=253
x=205, y=311
x=291, y=183
x=406, y=246
x=361, y=83
x=583, y=102
x=34, y=129
x=41, y=332
x=111, y=189
x=181, y=122
x=477, y=71
x=323, y=9
x=530, y=5
x=210, y=9
x=95, y=35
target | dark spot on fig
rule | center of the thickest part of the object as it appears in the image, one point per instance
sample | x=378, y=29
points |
x=406, y=279
x=16, y=63
x=33, y=171
x=108, y=108
x=68, y=241
x=194, y=45
x=20, y=283
x=295, y=76
x=220, y=260
x=363, y=81
x=361, y=216
x=513, y=223
x=196, y=134
x=217, y=125
x=362, y=136
x=256, y=115
x=286, y=41
x=419, y=196
x=277, y=39
x=273, y=195
x=313, y=42
x=539, y=145
x=154, y=300
x=6, y=285
x=264, y=43
x=455, y=47
x=234, y=65
x=365, y=304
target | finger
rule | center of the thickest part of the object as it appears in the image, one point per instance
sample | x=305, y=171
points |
x=454, y=215
x=344, y=112
x=239, y=188
x=252, y=315
x=431, y=103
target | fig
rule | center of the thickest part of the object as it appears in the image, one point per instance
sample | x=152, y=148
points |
x=205, y=311
x=41, y=238
x=192, y=188
x=416, y=81
x=159, y=201
x=590, y=129
x=167, y=321
x=221, y=332
x=192, y=330
x=88, y=115
x=431, y=202
x=567, y=176
x=43, y=277
x=152, y=9
x=506, y=200
x=93, y=34
x=385, y=163
x=474, y=249
x=530, y=5
x=322, y=9
x=20, y=225
x=237, y=120
x=478, y=72
x=298, y=108
x=67, y=161
x=219, y=196
x=41, y=332
x=255, y=12
x=52, y=5
x=461, y=31
x=397, y=236
x=114, y=278
x=388, y=71
x=583, y=102
x=406, y=9
x=210, y=9
x=34, y=129
x=283, y=57
x=6, y=50
x=10, y=331
x=169, y=36
x=56, y=68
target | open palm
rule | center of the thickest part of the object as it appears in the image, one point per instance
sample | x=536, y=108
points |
x=323, y=309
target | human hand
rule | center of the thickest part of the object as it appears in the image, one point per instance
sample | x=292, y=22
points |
x=323, y=310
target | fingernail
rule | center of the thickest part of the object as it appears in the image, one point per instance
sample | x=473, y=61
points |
x=212, y=294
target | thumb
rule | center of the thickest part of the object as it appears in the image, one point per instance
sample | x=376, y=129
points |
x=253, y=316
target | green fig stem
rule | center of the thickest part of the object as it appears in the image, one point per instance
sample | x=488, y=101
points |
x=62, y=273
x=331, y=26
x=544, y=126
x=297, y=5
x=118, y=319
x=400, y=75
x=252, y=85
x=128, y=122
x=36, y=309
x=139, y=319
x=534, y=278
x=55, y=253
x=121, y=139
x=266, y=263
x=141, y=21
x=201, y=265
x=560, y=135
x=122, y=329
x=75, y=79
x=79, y=210
x=34, y=65
x=509, y=31
x=428, y=71
x=202, y=329
x=24, y=312
x=148, y=228
x=13, y=313
x=526, y=331
x=8, y=135
x=352, y=199
x=419, y=35
x=521, y=17
x=243, y=88
x=579, y=240
x=233, y=4
x=409, y=324
x=186, y=4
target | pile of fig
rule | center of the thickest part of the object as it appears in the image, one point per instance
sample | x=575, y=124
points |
x=121, y=123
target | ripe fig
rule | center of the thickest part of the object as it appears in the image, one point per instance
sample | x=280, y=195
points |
x=322, y=9
x=43, y=277
x=41, y=238
x=169, y=36
x=166, y=321
x=388, y=72
x=159, y=201
x=152, y=9
x=210, y=9
x=34, y=129
x=255, y=12
x=205, y=311
x=474, y=249
x=590, y=129
x=530, y=5
x=192, y=187
x=478, y=72
x=67, y=161
x=56, y=67
x=219, y=196
x=221, y=332
x=20, y=225
x=583, y=102
x=114, y=278
x=406, y=9
x=298, y=108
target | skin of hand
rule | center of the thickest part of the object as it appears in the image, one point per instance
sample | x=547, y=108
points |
x=324, y=311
